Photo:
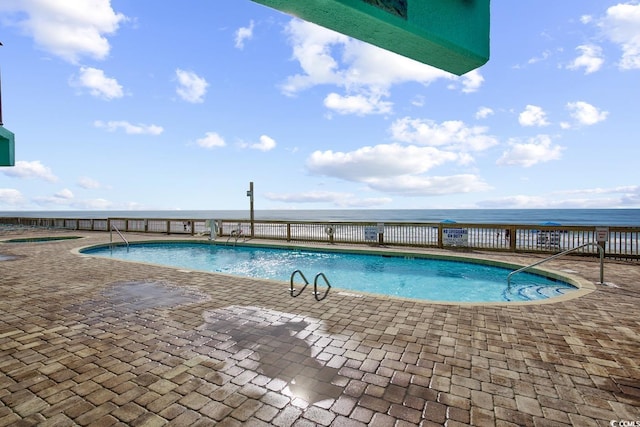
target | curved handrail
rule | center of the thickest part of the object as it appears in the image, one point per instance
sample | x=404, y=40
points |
x=291, y=289
x=600, y=249
x=113, y=227
x=315, y=286
x=237, y=233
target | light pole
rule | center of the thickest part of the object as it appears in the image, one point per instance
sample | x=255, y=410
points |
x=250, y=196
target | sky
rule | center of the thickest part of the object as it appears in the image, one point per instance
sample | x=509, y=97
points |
x=179, y=105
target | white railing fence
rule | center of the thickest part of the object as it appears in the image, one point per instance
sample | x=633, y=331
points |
x=622, y=242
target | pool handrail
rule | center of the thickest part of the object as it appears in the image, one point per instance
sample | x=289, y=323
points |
x=291, y=288
x=113, y=227
x=315, y=286
x=600, y=249
x=294, y=294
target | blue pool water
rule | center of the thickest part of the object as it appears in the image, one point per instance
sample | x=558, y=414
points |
x=429, y=279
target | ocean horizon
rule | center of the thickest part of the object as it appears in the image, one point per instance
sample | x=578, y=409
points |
x=596, y=217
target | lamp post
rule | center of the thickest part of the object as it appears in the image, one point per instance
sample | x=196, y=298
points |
x=250, y=196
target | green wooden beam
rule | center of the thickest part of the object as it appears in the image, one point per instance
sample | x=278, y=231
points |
x=452, y=35
x=7, y=147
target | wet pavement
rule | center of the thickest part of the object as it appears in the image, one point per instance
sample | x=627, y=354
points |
x=94, y=341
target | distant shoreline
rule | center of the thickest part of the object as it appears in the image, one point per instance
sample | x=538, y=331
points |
x=596, y=217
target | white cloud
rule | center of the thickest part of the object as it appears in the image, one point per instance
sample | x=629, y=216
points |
x=357, y=104
x=535, y=150
x=586, y=19
x=88, y=183
x=364, y=71
x=191, y=87
x=34, y=169
x=243, y=34
x=98, y=84
x=621, y=25
x=64, y=194
x=418, y=186
x=378, y=162
x=57, y=199
x=98, y=204
x=591, y=59
x=452, y=134
x=484, y=112
x=518, y=202
x=11, y=197
x=131, y=129
x=471, y=81
x=65, y=198
x=585, y=113
x=418, y=101
x=533, y=116
x=211, y=140
x=68, y=29
x=336, y=198
x=594, y=198
x=543, y=57
x=266, y=144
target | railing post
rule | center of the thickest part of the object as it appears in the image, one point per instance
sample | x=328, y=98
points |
x=440, y=238
x=288, y=232
x=601, y=263
x=512, y=238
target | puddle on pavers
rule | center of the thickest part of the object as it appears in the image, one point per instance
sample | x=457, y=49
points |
x=280, y=345
x=141, y=295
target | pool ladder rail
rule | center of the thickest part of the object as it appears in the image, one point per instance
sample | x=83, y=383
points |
x=600, y=249
x=316, y=294
x=114, y=228
x=236, y=234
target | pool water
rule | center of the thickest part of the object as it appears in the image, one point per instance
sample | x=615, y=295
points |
x=410, y=277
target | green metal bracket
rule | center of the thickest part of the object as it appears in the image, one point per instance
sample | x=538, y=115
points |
x=452, y=35
x=7, y=147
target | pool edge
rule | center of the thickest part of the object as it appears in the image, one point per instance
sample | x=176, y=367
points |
x=584, y=287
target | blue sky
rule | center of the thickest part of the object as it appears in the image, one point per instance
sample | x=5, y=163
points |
x=140, y=104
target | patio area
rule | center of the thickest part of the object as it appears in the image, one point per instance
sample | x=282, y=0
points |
x=94, y=341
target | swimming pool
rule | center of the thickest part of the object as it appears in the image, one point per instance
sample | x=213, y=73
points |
x=406, y=276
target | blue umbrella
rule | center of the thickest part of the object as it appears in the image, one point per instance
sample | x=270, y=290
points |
x=448, y=221
x=550, y=223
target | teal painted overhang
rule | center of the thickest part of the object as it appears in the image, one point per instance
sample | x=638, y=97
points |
x=7, y=147
x=452, y=35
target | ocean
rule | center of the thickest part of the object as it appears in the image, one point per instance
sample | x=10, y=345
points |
x=595, y=217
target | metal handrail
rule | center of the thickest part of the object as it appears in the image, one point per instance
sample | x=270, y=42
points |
x=113, y=227
x=315, y=286
x=316, y=294
x=601, y=250
x=291, y=289
x=237, y=233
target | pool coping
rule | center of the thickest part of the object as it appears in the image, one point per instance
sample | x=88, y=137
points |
x=584, y=287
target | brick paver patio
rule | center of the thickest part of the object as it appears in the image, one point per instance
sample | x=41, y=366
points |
x=94, y=341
